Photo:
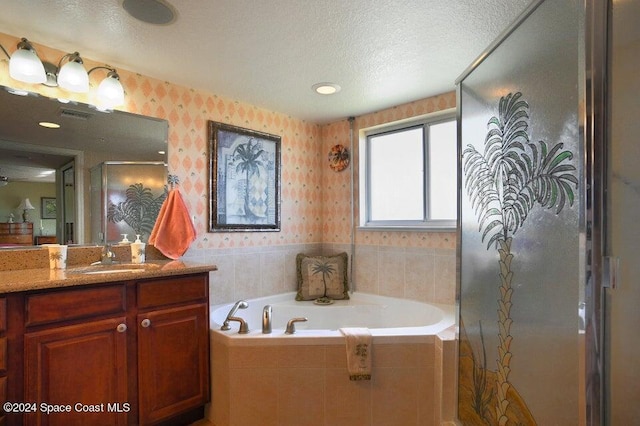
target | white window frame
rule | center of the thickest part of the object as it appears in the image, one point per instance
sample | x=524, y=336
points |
x=365, y=182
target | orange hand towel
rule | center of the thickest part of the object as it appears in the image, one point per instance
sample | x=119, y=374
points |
x=173, y=232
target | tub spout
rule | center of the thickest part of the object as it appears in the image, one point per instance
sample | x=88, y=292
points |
x=266, y=319
x=240, y=304
x=244, y=328
x=291, y=325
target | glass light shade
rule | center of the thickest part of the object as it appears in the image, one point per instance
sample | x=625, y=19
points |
x=73, y=77
x=110, y=93
x=25, y=66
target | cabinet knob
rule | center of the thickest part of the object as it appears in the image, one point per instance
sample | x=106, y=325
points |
x=121, y=328
x=145, y=322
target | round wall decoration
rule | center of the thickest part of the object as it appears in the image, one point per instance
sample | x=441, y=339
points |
x=338, y=158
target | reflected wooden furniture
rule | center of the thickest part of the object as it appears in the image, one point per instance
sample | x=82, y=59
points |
x=46, y=239
x=16, y=233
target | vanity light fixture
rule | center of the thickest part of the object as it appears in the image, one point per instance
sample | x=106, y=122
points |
x=72, y=76
x=110, y=91
x=26, y=66
x=326, y=88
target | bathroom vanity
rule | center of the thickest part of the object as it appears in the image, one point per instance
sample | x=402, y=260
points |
x=105, y=346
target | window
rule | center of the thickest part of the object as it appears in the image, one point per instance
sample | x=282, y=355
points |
x=410, y=174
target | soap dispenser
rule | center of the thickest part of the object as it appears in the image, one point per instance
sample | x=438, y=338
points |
x=138, y=250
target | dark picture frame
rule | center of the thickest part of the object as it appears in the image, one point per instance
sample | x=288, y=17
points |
x=47, y=208
x=244, y=171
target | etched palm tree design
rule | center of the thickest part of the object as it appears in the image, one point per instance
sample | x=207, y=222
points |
x=56, y=257
x=139, y=210
x=504, y=184
x=249, y=158
x=326, y=269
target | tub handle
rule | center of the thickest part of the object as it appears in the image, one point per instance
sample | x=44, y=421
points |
x=291, y=327
x=244, y=327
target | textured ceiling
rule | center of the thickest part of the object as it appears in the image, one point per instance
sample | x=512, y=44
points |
x=270, y=52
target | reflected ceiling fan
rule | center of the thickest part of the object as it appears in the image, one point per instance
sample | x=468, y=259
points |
x=3, y=180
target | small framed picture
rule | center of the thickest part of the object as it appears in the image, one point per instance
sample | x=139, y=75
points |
x=48, y=206
x=244, y=178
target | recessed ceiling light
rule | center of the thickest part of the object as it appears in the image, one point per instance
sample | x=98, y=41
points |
x=161, y=152
x=49, y=125
x=326, y=88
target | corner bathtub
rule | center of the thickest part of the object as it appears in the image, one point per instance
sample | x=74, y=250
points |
x=384, y=316
x=302, y=379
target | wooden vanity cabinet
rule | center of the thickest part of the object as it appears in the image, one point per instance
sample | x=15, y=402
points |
x=3, y=357
x=173, y=347
x=83, y=363
x=132, y=352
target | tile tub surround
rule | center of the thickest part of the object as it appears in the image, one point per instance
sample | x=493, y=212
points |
x=421, y=274
x=308, y=384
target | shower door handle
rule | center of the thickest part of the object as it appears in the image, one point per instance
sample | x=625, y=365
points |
x=610, y=272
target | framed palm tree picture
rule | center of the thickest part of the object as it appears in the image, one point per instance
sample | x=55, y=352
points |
x=244, y=179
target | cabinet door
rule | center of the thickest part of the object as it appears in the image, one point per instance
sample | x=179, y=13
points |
x=83, y=366
x=173, y=361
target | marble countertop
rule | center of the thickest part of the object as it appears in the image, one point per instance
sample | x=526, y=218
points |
x=45, y=278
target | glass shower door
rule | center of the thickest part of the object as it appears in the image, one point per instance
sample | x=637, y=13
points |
x=522, y=233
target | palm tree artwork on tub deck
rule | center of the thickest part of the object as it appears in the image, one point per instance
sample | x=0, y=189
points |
x=326, y=269
x=504, y=184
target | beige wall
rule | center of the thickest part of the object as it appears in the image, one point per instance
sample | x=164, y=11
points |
x=11, y=196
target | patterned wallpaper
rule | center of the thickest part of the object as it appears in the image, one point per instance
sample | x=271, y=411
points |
x=336, y=185
x=315, y=200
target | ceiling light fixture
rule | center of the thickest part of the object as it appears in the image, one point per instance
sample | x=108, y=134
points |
x=49, y=125
x=326, y=88
x=26, y=66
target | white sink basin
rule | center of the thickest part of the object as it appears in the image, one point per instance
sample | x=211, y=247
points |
x=113, y=268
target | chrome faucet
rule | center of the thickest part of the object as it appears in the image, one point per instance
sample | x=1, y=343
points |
x=240, y=304
x=107, y=255
x=291, y=325
x=266, y=319
x=244, y=327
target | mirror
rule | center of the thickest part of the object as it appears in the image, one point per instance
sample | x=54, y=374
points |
x=42, y=162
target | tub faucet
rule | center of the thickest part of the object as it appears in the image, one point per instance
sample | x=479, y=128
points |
x=266, y=319
x=291, y=325
x=240, y=304
x=244, y=328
